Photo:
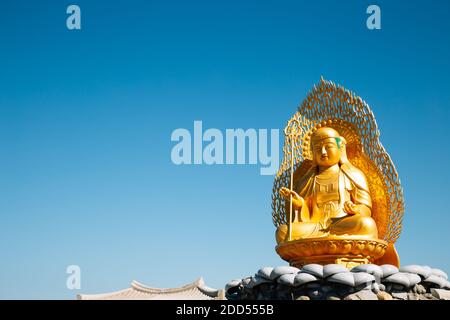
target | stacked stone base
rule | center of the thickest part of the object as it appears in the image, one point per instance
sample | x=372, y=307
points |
x=335, y=282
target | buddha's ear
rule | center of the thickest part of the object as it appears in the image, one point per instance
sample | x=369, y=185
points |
x=342, y=142
x=343, y=148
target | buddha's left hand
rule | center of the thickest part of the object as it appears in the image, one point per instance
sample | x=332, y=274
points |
x=351, y=208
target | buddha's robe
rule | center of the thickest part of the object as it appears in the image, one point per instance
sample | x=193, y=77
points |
x=322, y=214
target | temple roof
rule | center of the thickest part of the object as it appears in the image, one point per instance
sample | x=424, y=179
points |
x=194, y=291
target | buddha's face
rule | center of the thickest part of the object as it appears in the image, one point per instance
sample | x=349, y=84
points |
x=326, y=152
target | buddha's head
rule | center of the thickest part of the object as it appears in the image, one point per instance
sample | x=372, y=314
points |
x=327, y=145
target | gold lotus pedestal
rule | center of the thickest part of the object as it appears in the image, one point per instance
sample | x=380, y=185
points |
x=348, y=252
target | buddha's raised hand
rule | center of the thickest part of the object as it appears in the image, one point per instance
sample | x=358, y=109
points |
x=297, y=201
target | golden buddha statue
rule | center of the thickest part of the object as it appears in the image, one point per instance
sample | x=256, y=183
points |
x=332, y=199
x=337, y=197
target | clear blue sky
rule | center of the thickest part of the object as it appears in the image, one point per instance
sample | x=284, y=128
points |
x=86, y=117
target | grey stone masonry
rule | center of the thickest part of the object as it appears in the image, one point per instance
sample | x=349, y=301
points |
x=335, y=282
